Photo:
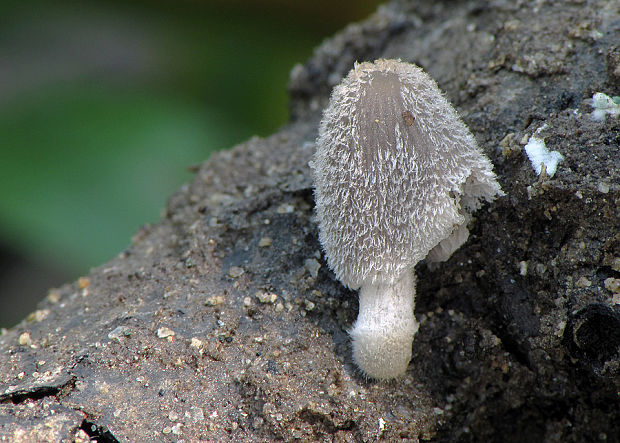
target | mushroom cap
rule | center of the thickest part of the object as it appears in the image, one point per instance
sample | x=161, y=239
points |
x=395, y=171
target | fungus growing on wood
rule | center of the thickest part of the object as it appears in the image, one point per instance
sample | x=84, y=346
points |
x=397, y=175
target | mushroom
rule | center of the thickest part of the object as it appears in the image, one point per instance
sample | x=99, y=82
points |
x=396, y=175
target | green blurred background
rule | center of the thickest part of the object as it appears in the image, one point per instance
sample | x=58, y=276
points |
x=104, y=105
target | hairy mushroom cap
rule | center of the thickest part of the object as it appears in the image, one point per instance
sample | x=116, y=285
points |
x=396, y=172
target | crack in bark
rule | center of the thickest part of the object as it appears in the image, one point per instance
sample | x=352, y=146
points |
x=98, y=432
x=38, y=392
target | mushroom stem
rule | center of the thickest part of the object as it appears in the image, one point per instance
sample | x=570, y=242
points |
x=382, y=335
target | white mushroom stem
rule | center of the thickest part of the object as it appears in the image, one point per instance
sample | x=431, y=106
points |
x=383, y=333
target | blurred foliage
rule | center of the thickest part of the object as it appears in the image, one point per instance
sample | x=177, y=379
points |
x=103, y=105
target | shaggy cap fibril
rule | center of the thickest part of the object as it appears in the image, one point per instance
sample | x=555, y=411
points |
x=390, y=172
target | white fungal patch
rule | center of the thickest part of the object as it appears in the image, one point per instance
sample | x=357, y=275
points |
x=604, y=105
x=540, y=156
